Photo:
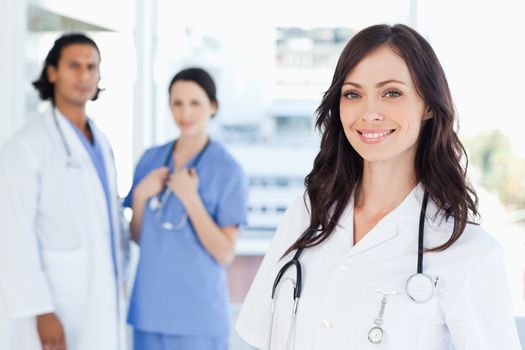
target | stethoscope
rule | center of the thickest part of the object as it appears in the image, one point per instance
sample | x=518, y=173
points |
x=420, y=287
x=157, y=203
x=71, y=163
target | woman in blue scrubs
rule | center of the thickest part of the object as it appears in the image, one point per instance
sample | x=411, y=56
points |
x=188, y=199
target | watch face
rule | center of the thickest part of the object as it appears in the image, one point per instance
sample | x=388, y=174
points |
x=375, y=335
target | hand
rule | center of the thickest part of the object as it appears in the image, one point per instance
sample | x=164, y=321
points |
x=50, y=332
x=152, y=184
x=184, y=183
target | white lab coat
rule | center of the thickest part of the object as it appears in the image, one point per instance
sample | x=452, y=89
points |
x=470, y=311
x=55, y=250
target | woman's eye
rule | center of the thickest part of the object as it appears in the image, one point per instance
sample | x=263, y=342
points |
x=393, y=93
x=352, y=95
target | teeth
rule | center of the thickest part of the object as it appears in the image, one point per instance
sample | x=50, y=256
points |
x=375, y=135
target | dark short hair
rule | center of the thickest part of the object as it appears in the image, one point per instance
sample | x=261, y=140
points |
x=44, y=87
x=201, y=78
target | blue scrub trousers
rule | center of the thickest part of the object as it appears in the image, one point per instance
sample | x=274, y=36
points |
x=157, y=341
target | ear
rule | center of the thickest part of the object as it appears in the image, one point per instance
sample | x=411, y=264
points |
x=427, y=114
x=214, y=108
x=51, y=72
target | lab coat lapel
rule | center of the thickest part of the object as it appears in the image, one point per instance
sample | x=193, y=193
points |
x=345, y=227
x=391, y=225
x=380, y=234
x=121, y=239
x=108, y=160
x=109, y=164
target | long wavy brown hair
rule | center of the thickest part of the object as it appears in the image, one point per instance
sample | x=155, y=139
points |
x=441, y=160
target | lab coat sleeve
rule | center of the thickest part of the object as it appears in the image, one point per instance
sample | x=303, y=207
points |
x=481, y=316
x=254, y=319
x=23, y=282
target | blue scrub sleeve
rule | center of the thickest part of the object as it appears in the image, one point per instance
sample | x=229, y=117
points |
x=233, y=201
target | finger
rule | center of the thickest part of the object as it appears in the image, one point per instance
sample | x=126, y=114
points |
x=61, y=345
x=161, y=171
x=53, y=345
x=164, y=171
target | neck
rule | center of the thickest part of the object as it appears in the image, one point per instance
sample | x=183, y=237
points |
x=75, y=113
x=383, y=187
x=191, y=144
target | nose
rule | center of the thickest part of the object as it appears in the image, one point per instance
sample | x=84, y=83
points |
x=372, y=113
x=185, y=112
x=372, y=116
x=84, y=73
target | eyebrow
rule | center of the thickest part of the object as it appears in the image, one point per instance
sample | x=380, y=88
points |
x=383, y=83
x=74, y=60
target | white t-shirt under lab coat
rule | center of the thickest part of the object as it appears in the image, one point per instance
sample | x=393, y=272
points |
x=470, y=311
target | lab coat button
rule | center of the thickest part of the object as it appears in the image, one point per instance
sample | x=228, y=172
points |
x=325, y=324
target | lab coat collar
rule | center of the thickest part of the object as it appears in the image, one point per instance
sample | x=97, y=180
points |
x=390, y=226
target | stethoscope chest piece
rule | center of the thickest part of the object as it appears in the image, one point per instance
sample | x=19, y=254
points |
x=421, y=287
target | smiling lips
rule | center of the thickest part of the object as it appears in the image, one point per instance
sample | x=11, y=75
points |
x=374, y=136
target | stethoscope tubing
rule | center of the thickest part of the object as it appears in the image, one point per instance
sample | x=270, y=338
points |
x=61, y=133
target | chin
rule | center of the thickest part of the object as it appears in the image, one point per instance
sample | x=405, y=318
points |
x=189, y=132
x=373, y=157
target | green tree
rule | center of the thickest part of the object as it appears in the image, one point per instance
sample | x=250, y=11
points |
x=501, y=170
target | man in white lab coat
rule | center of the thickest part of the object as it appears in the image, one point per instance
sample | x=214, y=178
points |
x=61, y=241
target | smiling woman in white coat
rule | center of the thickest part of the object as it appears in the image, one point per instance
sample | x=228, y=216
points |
x=61, y=243
x=382, y=251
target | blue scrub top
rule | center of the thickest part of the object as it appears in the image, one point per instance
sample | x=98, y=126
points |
x=179, y=288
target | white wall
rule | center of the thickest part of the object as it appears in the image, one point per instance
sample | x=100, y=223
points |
x=13, y=18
